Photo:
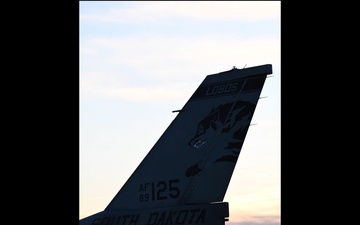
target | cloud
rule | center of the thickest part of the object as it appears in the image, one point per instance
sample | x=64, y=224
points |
x=114, y=66
x=143, y=93
x=263, y=220
x=258, y=205
x=160, y=11
x=148, y=53
x=109, y=64
x=110, y=84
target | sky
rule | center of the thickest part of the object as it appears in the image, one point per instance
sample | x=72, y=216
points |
x=140, y=60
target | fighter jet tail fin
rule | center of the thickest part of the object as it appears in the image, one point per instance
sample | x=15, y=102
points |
x=184, y=177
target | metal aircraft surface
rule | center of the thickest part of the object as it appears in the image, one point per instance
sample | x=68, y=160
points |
x=184, y=177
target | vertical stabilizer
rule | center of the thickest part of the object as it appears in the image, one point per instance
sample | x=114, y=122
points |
x=193, y=161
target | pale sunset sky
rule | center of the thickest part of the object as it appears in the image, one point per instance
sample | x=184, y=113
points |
x=140, y=60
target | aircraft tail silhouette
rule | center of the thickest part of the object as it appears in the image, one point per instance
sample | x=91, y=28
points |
x=184, y=177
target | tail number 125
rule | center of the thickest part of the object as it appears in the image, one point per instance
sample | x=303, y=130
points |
x=157, y=191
